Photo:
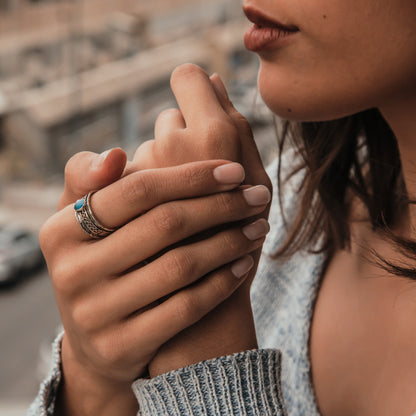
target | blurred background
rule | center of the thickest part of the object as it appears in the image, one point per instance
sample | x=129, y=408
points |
x=89, y=75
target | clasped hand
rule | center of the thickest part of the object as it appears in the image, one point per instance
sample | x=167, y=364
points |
x=119, y=313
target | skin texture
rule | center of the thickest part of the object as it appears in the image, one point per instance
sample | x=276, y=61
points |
x=100, y=351
x=346, y=57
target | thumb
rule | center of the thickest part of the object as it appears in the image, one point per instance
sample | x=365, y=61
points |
x=88, y=171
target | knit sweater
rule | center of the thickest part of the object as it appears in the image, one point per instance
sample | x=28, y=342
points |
x=273, y=380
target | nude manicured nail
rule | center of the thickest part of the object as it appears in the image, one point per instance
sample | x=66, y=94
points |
x=231, y=173
x=242, y=267
x=257, y=195
x=257, y=229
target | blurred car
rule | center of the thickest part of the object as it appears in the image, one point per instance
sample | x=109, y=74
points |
x=20, y=254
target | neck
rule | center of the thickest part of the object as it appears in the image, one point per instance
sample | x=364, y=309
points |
x=401, y=118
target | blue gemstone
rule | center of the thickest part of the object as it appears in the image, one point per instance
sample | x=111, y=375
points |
x=79, y=204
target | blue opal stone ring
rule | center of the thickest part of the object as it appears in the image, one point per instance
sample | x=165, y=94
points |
x=87, y=220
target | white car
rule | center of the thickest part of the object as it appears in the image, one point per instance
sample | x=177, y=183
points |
x=20, y=254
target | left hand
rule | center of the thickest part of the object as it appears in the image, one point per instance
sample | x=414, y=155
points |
x=207, y=126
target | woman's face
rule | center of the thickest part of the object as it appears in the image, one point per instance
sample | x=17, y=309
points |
x=347, y=56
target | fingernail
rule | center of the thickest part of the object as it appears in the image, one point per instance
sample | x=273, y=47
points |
x=99, y=159
x=242, y=267
x=257, y=195
x=230, y=173
x=257, y=229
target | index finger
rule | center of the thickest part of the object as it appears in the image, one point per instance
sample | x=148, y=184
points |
x=135, y=194
x=195, y=95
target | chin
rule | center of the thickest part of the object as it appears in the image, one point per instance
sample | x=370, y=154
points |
x=307, y=108
x=299, y=100
x=293, y=110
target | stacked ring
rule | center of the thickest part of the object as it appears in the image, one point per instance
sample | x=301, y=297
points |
x=87, y=220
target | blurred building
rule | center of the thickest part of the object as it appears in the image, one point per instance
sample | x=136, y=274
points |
x=90, y=74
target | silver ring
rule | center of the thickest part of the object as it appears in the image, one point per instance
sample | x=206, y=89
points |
x=87, y=220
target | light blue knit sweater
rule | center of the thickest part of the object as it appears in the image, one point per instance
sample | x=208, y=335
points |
x=274, y=380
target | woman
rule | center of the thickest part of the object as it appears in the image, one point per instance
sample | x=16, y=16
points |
x=337, y=306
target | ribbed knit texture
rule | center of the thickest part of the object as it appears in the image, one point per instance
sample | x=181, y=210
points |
x=44, y=404
x=246, y=383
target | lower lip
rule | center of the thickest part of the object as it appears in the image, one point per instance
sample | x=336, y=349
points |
x=258, y=39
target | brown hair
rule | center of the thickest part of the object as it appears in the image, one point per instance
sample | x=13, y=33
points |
x=357, y=154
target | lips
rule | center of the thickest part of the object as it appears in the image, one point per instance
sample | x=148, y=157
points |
x=267, y=33
x=262, y=21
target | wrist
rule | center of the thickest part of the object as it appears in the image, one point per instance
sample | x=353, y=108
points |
x=82, y=392
x=228, y=329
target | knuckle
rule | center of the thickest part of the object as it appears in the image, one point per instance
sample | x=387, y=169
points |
x=217, y=129
x=52, y=232
x=168, y=219
x=226, y=203
x=137, y=187
x=179, y=265
x=221, y=286
x=47, y=235
x=219, y=137
x=196, y=177
x=167, y=149
x=233, y=242
x=168, y=113
x=242, y=122
x=109, y=349
x=188, y=309
x=83, y=317
x=145, y=149
x=64, y=278
x=71, y=278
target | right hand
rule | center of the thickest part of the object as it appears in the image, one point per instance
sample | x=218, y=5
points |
x=116, y=315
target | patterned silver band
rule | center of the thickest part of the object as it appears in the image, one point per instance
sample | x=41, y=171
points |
x=87, y=220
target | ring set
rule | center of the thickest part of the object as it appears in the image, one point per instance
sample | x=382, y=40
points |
x=87, y=220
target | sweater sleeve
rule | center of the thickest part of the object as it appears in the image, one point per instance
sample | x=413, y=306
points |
x=245, y=383
x=44, y=404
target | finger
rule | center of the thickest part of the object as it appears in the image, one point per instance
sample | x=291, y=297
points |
x=186, y=307
x=191, y=85
x=168, y=149
x=239, y=120
x=181, y=267
x=87, y=171
x=249, y=151
x=168, y=122
x=173, y=222
x=139, y=192
x=143, y=158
